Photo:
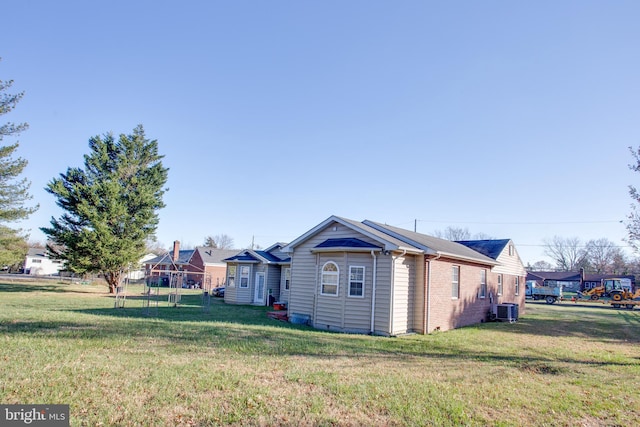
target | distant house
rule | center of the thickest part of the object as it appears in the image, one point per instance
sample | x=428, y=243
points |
x=199, y=267
x=210, y=261
x=569, y=280
x=259, y=277
x=368, y=277
x=137, y=272
x=38, y=263
x=575, y=280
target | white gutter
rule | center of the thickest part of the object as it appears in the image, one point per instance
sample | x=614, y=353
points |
x=316, y=291
x=427, y=305
x=373, y=292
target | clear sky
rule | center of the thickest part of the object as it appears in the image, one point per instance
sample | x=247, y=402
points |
x=509, y=118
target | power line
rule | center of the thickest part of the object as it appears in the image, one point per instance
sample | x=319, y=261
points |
x=518, y=223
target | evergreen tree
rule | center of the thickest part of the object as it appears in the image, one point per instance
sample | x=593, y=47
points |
x=14, y=191
x=110, y=206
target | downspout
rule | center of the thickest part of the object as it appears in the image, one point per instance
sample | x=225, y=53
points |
x=393, y=280
x=373, y=292
x=316, y=290
x=427, y=305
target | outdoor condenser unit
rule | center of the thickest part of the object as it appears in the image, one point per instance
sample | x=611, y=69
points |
x=506, y=312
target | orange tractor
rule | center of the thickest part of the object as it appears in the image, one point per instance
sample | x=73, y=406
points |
x=611, y=288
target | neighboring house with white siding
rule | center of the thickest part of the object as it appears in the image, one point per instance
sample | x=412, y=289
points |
x=368, y=277
x=258, y=277
x=38, y=263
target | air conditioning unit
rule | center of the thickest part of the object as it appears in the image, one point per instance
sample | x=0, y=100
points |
x=506, y=312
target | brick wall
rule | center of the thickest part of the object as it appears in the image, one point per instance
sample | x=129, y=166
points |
x=469, y=308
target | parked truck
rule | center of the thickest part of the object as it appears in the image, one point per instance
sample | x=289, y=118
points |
x=551, y=291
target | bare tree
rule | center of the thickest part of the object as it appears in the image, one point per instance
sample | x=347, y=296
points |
x=633, y=226
x=453, y=233
x=620, y=264
x=155, y=247
x=601, y=254
x=566, y=252
x=219, y=241
x=540, y=266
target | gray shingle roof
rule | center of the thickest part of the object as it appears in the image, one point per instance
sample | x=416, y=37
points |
x=211, y=255
x=431, y=244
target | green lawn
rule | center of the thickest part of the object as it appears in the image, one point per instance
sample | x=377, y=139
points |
x=231, y=365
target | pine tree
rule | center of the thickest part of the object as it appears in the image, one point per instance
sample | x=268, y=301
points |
x=110, y=206
x=14, y=191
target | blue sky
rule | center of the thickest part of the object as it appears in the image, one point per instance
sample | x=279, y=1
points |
x=511, y=119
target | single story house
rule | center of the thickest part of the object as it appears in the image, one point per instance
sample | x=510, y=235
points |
x=258, y=277
x=199, y=267
x=38, y=263
x=575, y=280
x=368, y=277
x=570, y=280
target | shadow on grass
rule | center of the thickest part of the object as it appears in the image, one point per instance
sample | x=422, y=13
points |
x=55, y=287
x=246, y=330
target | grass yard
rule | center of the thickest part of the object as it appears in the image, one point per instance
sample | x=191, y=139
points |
x=65, y=343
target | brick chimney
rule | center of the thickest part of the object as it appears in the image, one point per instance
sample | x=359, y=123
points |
x=176, y=250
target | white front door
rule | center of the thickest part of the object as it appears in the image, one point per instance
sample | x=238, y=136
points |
x=258, y=295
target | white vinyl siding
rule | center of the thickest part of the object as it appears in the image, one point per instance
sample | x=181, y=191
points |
x=403, y=295
x=339, y=313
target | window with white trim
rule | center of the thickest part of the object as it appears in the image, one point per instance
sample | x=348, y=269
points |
x=499, y=284
x=356, y=281
x=330, y=279
x=455, y=282
x=517, y=285
x=483, y=283
x=244, y=276
x=231, y=276
x=287, y=278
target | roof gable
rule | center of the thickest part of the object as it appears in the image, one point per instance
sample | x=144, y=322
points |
x=262, y=256
x=386, y=241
